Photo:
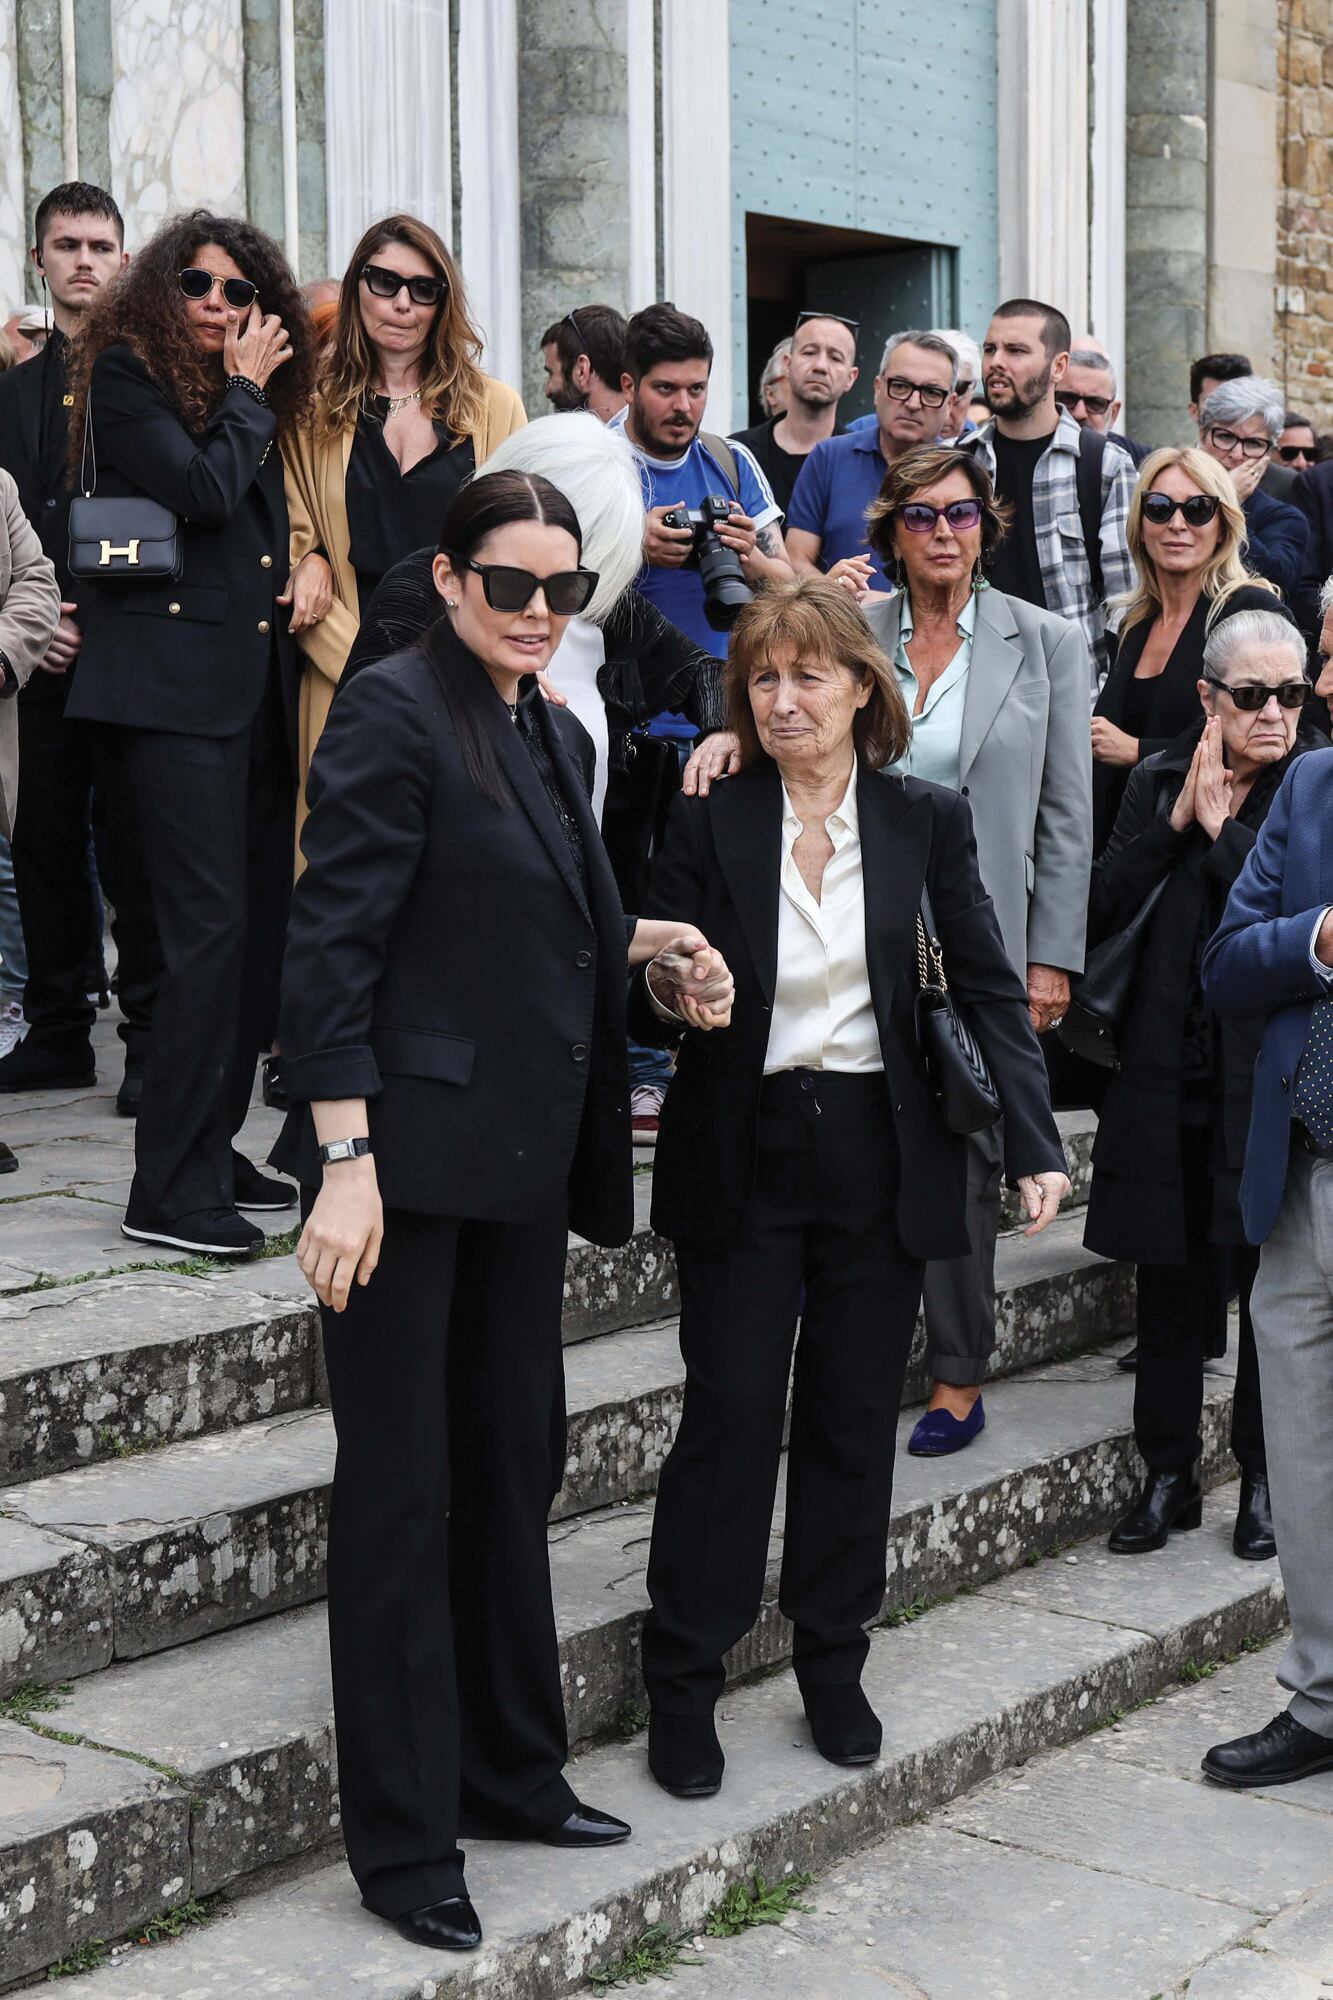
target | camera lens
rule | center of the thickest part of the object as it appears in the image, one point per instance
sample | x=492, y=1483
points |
x=726, y=593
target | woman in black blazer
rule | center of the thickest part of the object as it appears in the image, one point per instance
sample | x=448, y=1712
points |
x=192, y=366
x=1186, y=567
x=454, y=1020
x=781, y=1169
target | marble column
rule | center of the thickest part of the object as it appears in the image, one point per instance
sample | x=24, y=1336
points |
x=13, y=225
x=177, y=124
x=1043, y=120
x=1243, y=180
x=40, y=104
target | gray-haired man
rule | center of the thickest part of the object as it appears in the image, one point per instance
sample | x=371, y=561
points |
x=1239, y=424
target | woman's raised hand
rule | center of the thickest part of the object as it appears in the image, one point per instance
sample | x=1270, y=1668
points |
x=255, y=352
x=341, y=1240
x=718, y=756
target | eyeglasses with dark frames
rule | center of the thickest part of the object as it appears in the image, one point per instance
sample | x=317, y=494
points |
x=1096, y=406
x=1251, y=696
x=567, y=592
x=930, y=394
x=1227, y=440
x=196, y=283
x=920, y=517
x=1198, y=510
x=383, y=283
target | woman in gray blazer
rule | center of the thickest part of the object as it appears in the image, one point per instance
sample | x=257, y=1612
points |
x=998, y=695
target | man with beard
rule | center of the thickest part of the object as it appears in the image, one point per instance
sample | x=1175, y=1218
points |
x=584, y=358
x=1068, y=489
x=826, y=523
x=668, y=359
x=821, y=368
x=73, y=772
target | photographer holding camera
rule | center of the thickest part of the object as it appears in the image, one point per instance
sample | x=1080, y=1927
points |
x=701, y=562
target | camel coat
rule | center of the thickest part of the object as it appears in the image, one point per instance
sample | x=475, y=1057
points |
x=29, y=612
x=316, y=473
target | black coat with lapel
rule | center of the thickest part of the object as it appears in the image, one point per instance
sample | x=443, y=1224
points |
x=37, y=454
x=191, y=656
x=444, y=962
x=719, y=868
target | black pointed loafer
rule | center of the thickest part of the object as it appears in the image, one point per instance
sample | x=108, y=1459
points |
x=452, y=1925
x=1279, y=1755
x=1168, y=1500
x=586, y=1827
x=845, y=1727
x=1254, y=1540
x=684, y=1755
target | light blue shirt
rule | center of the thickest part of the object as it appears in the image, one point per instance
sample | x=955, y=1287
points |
x=937, y=731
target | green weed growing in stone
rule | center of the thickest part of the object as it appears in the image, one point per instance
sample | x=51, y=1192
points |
x=756, y=1902
x=191, y=1916
x=280, y=1246
x=32, y=1698
x=631, y=1718
x=86, y=1959
x=1195, y=1671
x=905, y=1614
x=119, y=1447
x=655, y=1954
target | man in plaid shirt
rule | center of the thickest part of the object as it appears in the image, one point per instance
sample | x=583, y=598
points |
x=1031, y=449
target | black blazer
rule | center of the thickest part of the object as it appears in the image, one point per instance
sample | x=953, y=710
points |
x=719, y=868
x=37, y=461
x=444, y=963
x=190, y=656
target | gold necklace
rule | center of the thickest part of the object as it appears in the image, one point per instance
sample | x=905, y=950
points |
x=397, y=403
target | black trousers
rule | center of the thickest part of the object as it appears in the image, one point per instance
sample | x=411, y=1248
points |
x=444, y=1374
x=823, y=1216
x=76, y=774
x=1182, y=1311
x=217, y=816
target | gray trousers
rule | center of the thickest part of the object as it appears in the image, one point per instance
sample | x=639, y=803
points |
x=1292, y=1308
x=958, y=1295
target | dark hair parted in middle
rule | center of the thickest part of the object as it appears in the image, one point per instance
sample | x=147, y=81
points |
x=914, y=474
x=492, y=501
x=815, y=620
x=143, y=307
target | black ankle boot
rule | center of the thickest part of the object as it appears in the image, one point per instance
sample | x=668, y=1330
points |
x=845, y=1727
x=684, y=1755
x=1254, y=1540
x=1168, y=1500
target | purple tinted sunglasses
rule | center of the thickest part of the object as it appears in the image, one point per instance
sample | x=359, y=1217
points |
x=920, y=517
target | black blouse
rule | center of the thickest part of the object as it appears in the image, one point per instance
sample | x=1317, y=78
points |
x=390, y=512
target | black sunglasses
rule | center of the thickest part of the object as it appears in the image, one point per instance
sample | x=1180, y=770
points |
x=920, y=516
x=386, y=284
x=1096, y=406
x=1198, y=510
x=196, y=284
x=852, y=325
x=1289, y=453
x=567, y=592
x=1251, y=696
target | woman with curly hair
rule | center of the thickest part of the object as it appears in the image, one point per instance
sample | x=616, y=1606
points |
x=403, y=416
x=194, y=363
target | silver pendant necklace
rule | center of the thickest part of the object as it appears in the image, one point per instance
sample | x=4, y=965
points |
x=397, y=403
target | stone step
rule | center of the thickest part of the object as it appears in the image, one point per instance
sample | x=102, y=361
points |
x=94, y=1845
x=129, y=1554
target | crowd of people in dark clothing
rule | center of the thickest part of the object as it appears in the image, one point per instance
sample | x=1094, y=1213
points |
x=509, y=793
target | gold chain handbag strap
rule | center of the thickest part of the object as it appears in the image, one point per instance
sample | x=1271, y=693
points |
x=929, y=958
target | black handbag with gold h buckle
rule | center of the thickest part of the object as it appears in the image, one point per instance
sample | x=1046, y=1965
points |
x=130, y=539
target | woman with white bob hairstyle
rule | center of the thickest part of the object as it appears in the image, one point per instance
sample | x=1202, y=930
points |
x=620, y=662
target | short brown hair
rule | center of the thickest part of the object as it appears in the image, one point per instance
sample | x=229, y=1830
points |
x=915, y=473
x=818, y=620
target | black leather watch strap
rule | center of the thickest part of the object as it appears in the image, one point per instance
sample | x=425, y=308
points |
x=344, y=1149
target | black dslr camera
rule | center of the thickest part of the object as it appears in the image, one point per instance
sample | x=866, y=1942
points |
x=725, y=590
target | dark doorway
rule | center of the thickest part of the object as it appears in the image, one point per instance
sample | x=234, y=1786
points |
x=885, y=282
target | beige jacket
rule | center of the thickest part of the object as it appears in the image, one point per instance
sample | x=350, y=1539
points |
x=317, y=502
x=29, y=613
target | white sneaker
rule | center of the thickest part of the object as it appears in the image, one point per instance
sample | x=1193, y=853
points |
x=644, y=1104
x=13, y=1026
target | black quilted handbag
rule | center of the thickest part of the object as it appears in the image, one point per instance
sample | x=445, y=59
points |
x=126, y=540
x=959, y=1078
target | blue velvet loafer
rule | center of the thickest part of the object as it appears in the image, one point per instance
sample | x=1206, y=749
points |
x=938, y=1433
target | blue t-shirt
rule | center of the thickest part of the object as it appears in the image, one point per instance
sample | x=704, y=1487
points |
x=687, y=482
x=834, y=488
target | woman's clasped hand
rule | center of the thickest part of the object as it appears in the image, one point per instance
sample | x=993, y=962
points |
x=1205, y=797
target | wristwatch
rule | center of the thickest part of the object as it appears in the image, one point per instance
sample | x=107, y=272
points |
x=344, y=1149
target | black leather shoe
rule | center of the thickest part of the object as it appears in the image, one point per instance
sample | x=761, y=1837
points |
x=586, y=1827
x=449, y=1926
x=263, y=1194
x=34, y=1064
x=845, y=1727
x=8, y=1163
x=1129, y=1360
x=1254, y=1540
x=1168, y=1500
x=272, y=1088
x=130, y=1094
x=684, y=1755
x=1278, y=1755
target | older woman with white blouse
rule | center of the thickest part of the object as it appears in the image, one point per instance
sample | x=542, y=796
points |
x=803, y=1166
x=997, y=697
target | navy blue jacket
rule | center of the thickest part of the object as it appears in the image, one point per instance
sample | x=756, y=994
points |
x=1278, y=537
x=1258, y=965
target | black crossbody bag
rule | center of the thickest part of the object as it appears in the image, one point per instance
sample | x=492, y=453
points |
x=125, y=540
x=958, y=1073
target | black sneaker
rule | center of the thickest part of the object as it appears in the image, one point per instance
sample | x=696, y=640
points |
x=272, y=1088
x=211, y=1232
x=130, y=1094
x=36, y=1064
x=261, y=1193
